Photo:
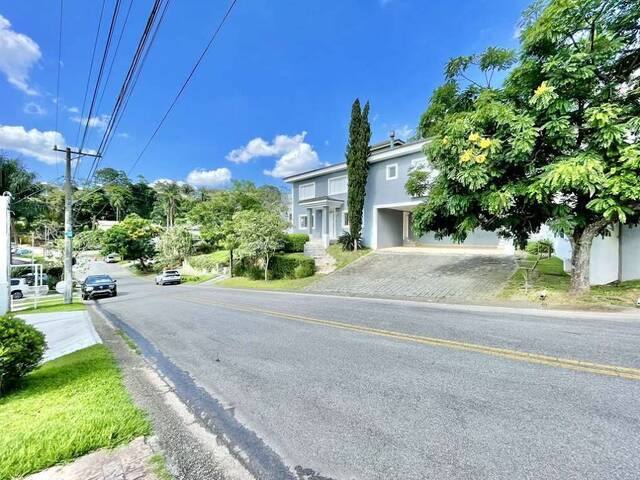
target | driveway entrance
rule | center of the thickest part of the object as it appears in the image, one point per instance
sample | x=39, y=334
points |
x=433, y=274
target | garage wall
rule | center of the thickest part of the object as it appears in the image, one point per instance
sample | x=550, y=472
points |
x=477, y=237
x=630, y=253
x=389, y=227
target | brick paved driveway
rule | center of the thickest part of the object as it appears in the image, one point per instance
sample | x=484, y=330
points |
x=427, y=276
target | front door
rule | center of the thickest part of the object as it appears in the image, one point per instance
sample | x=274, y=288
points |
x=332, y=224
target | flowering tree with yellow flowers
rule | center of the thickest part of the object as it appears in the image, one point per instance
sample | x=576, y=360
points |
x=555, y=143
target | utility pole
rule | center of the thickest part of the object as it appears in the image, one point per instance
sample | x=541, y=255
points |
x=68, y=221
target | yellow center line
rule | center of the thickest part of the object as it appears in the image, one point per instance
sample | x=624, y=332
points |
x=578, y=365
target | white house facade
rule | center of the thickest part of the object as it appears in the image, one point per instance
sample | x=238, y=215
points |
x=319, y=201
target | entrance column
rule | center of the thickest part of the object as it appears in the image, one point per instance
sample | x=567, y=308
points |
x=325, y=226
x=310, y=222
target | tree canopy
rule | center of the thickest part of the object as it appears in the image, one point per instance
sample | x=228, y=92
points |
x=557, y=143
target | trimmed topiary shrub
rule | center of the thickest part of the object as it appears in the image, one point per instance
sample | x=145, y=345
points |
x=540, y=247
x=284, y=266
x=304, y=270
x=294, y=242
x=21, y=349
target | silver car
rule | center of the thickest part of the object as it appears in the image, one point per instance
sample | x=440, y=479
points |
x=168, y=277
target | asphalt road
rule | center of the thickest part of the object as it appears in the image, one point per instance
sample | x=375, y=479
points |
x=372, y=389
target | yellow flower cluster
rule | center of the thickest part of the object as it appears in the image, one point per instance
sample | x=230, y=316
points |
x=478, y=154
x=543, y=88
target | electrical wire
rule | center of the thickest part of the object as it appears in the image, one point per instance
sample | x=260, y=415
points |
x=58, y=79
x=185, y=83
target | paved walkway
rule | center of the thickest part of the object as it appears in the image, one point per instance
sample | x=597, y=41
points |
x=129, y=462
x=65, y=332
x=434, y=277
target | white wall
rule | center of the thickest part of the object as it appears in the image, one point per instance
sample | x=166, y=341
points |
x=604, y=257
x=630, y=253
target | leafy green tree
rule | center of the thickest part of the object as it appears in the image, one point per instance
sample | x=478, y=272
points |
x=260, y=234
x=24, y=189
x=169, y=195
x=144, y=198
x=132, y=239
x=89, y=205
x=556, y=144
x=229, y=239
x=175, y=244
x=357, y=167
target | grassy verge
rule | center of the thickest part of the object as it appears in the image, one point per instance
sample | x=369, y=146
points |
x=196, y=279
x=54, y=304
x=159, y=467
x=130, y=343
x=67, y=408
x=550, y=276
x=282, y=284
x=136, y=270
x=344, y=258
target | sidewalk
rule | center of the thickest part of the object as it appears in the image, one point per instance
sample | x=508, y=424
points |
x=129, y=462
x=65, y=332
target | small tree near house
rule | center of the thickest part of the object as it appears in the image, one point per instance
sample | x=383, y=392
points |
x=175, y=244
x=260, y=235
x=357, y=167
x=132, y=239
x=557, y=143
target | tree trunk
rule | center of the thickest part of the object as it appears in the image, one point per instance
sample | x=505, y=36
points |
x=266, y=269
x=143, y=267
x=581, y=242
x=231, y=263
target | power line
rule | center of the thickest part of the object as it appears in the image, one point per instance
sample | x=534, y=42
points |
x=185, y=83
x=93, y=54
x=105, y=55
x=58, y=76
x=127, y=83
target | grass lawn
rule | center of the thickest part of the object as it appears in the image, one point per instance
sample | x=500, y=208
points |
x=196, y=279
x=551, y=277
x=281, y=284
x=67, y=408
x=54, y=304
x=344, y=258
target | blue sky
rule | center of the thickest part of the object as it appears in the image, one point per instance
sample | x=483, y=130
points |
x=273, y=96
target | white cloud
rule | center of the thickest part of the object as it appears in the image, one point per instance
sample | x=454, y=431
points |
x=209, y=178
x=123, y=135
x=73, y=110
x=295, y=154
x=159, y=181
x=404, y=132
x=18, y=54
x=100, y=121
x=33, y=143
x=32, y=108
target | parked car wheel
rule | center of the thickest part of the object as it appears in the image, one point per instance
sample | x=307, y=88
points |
x=85, y=297
x=115, y=293
x=17, y=295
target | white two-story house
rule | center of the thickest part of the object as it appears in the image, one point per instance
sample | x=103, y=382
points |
x=319, y=200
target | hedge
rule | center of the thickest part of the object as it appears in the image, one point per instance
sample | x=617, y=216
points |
x=294, y=242
x=210, y=261
x=284, y=266
x=21, y=350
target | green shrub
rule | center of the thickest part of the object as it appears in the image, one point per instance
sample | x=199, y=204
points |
x=304, y=270
x=294, y=242
x=256, y=273
x=284, y=266
x=347, y=241
x=21, y=349
x=210, y=261
x=540, y=247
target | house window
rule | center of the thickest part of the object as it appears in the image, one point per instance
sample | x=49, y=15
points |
x=306, y=191
x=338, y=185
x=392, y=171
x=302, y=222
x=345, y=219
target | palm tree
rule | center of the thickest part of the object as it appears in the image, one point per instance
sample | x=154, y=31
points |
x=24, y=189
x=170, y=194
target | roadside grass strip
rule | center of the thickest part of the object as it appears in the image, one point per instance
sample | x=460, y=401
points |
x=68, y=407
x=50, y=304
x=570, y=364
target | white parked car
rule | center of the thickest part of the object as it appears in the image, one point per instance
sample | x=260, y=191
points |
x=168, y=277
x=19, y=288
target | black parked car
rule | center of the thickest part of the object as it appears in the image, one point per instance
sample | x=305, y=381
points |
x=98, y=285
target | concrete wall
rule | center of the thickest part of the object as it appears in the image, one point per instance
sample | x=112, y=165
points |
x=604, y=265
x=477, y=237
x=630, y=253
x=389, y=227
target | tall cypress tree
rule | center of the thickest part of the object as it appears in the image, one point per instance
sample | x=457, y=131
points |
x=357, y=167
